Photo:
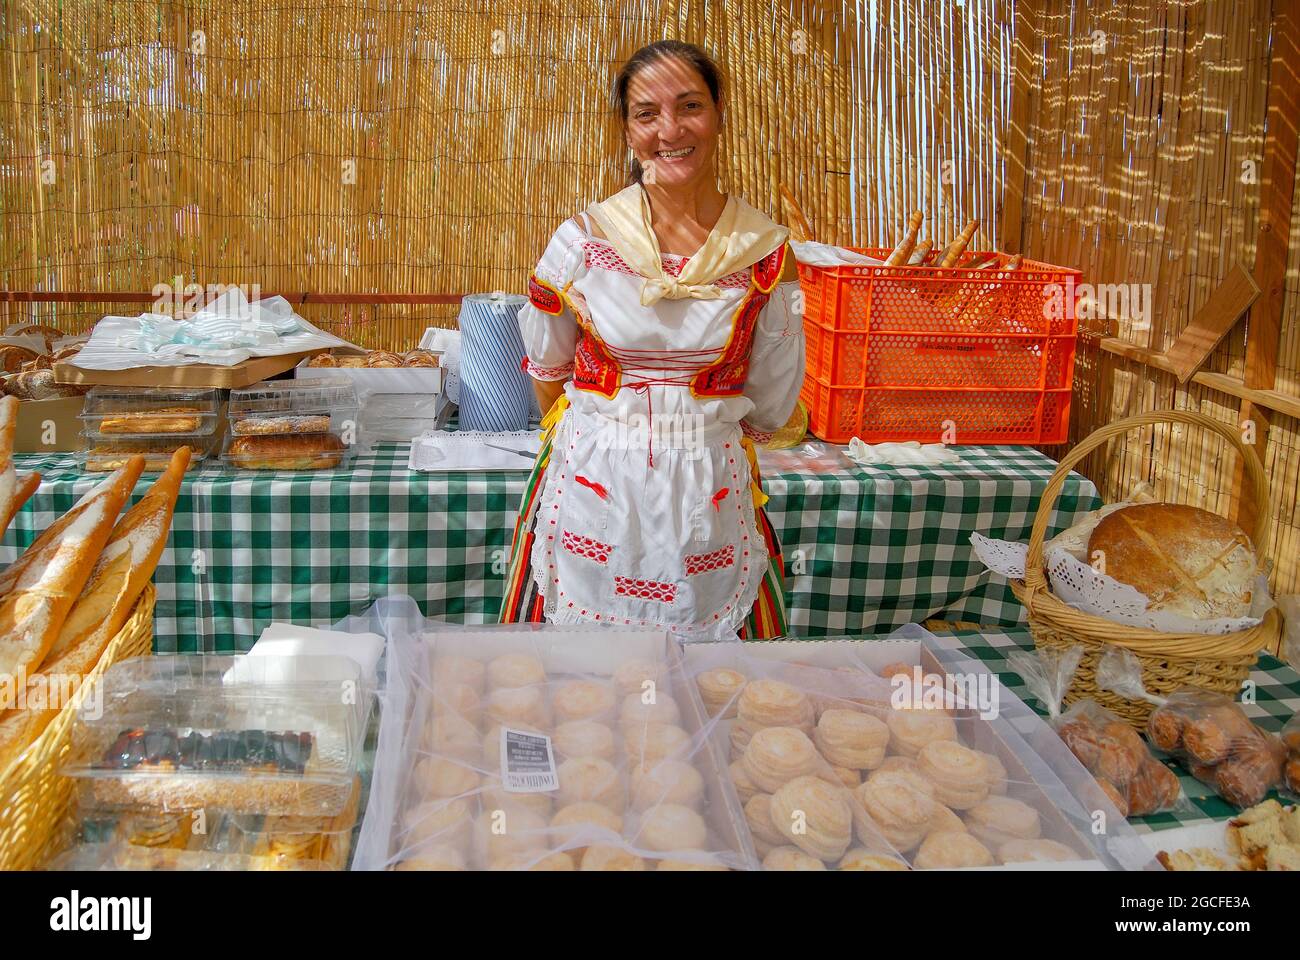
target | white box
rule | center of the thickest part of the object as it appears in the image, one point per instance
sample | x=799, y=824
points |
x=371, y=380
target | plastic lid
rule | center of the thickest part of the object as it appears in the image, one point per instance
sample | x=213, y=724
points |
x=147, y=401
x=307, y=395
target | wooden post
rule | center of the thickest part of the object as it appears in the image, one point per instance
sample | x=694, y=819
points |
x=1011, y=216
x=1277, y=188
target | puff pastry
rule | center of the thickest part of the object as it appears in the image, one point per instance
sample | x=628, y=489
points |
x=999, y=819
x=590, y=778
x=635, y=712
x=776, y=755
x=1027, y=851
x=444, y=859
x=860, y=858
x=847, y=738
x=583, y=700
x=669, y=781
x=893, y=805
x=631, y=676
x=850, y=778
x=772, y=703
x=535, y=860
x=671, y=826
x=703, y=862
x=437, y=823
x=791, y=858
x=511, y=706
x=815, y=816
x=452, y=735
x=996, y=773
x=451, y=668
x=503, y=832
x=439, y=777
x=602, y=856
x=655, y=742
x=583, y=738
x=496, y=797
x=457, y=698
x=577, y=825
x=745, y=788
x=949, y=850
x=960, y=775
x=758, y=814
x=515, y=670
x=945, y=821
x=719, y=689
x=910, y=730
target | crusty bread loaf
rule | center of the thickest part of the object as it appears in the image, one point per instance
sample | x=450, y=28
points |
x=1186, y=560
x=162, y=420
x=119, y=576
x=311, y=451
x=14, y=490
x=40, y=587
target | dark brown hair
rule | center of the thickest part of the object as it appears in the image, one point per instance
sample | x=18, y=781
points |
x=653, y=53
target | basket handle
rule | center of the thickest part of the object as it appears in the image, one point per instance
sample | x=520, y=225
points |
x=1034, y=576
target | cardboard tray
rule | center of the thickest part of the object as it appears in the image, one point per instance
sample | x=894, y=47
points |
x=55, y=419
x=370, y=380
x=190, y=375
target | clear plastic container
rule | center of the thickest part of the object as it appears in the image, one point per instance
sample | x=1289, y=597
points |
x=314, y=451
x=262, y=735
x=148, y=412
x=278, y=398
x=118, y=855
x=102, y=454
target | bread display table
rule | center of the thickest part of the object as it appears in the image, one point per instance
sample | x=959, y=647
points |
x=865, y=550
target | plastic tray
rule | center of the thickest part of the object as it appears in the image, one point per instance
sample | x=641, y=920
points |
x=124, y=409
x=157, y=451
x=292, y=462
x=265, y=735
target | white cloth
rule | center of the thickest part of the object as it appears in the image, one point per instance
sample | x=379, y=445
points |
x=907, y=454
x=824, y=255
x=671, y=544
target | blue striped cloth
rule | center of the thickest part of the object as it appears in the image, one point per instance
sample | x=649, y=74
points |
x=494, y=392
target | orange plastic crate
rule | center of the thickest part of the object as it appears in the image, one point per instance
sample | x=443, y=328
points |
x=933, y=354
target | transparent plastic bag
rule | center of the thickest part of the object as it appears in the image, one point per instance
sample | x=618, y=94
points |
x=1291, y=772
x=1135, y=782
x=622, y=775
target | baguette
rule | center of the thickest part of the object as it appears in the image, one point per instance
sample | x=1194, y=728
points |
x=920, y=253
x=904, y=249
x=116, y=582
x=41, y=586
x=952, y=253
x=14, y=492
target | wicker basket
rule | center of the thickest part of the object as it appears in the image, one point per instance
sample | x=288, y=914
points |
x=1169, y=660
x=34, y=799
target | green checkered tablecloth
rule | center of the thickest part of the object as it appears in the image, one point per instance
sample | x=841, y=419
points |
x=1277, y=698
x=865, y=550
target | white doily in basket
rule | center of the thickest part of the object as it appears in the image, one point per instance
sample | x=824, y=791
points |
x=1078, y=585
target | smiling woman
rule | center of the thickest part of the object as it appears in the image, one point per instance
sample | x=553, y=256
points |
x=662, y=336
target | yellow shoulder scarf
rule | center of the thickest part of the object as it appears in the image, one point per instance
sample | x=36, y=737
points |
x=741, y=237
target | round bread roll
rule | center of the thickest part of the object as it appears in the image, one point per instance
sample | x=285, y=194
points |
x=438, y=777
x=960, y=775
x=601, y=856
x=590, y=778
x=999, y=819
x=582, y=823
x=850, y=739
x=813, y=815
x=452, y=735
x=512, y=706
x=444, y=859
x=655, y=742
x=631, y=677
x=791, y=858
x=583, y=700
x=949, y=850
x=910, y=730
x=671, y=826
x=457, y=698
x=772, y=703
x=436, y=824
x=503, y=832
x=1184, y=559
x=636, y=712
x=583, y=738
x=450, y=668
x=668, y=781
x=776, y=755
x=719, y=689
x=758, y=814
x=860, y=858
x=1029, y=851
x=515, y=670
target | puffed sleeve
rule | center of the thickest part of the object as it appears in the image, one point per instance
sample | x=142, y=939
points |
x=546, y=322
x=776, y=363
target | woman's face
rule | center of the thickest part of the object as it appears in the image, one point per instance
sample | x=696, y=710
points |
x=672, y=123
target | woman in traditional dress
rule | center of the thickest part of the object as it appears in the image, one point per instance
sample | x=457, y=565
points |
x=664, y=339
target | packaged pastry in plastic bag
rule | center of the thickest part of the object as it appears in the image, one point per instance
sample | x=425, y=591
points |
x=1291, y=740
x=1132, y=778
x=541, y=748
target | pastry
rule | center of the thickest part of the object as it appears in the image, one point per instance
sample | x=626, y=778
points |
x=944, y=820
x=273, y=426
x=1292, y=774
x=649, y=744
x=951, y=851
x=420, y=358
x=1121, y=752
x=850, y=739
x=776, y=755
x=960, y=775
x=671, y=826
x=791, y=858
x=1153, y=788
x=1247, y=776
x=1165, y=728
x=500, y=833
x=433, y=858
x=702, y=862
x=583, y=738
x=437, y=777
x=758, y=814
x=459, y=699
x=745, y=788
x=850, y=778
x=1217, y=731
x=669, y=781
x=636, y=712
x=450, y=668
x=495, y=797
x=995, y=773
x=518, y=705
x=771, y=703
x=453, y=736
x=815, y=816
x=1081, y=737
x=719, y=689
x=906, y=770
x=860, y=858
x=590, y=778
x=534, y=860
x=910, y=730
x=999, y=819
x=1031, y=851
x=891, y=670
x=515, y=670
x=1114, y=795
x=633, y=675
x=160, y=420
x=383, y=358
x=323, y=360
x=437, y=823
x=311, y=451
x=893, y=806
x=601, y=856
x=583, y=700
x=582, y=823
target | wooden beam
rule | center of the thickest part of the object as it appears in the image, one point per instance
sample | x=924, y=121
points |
x=1230, y=299
x=1016, y=148
x=1277, y=192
